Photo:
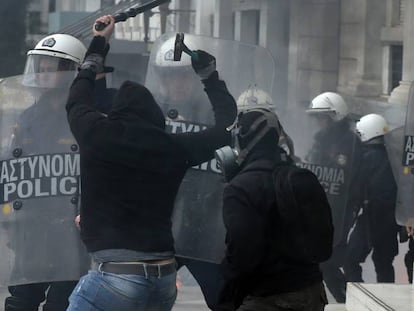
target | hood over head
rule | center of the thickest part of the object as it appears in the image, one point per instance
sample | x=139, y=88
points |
x=134, y=99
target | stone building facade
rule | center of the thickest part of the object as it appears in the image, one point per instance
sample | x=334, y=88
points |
x=362, y=49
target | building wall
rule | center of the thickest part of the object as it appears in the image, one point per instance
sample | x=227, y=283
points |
x=313, y=49
x=360, y=71
x=318, y=45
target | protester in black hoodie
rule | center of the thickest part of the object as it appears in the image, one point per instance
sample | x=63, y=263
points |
x=131, y=170
x=258, y=276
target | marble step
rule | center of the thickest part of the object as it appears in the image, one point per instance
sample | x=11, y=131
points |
x=335, y=307
x=379, y=297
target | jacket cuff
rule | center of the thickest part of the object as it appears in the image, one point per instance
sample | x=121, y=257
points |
x=86, y=74
x=212, y=77
x=213, y=81
x=97, y=46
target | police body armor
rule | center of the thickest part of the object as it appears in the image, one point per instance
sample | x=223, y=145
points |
x=331, y=157
x=197, y=219
x=39, y=240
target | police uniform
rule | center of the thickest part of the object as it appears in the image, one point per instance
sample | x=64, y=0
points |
x=376, y=228
x=338, y=145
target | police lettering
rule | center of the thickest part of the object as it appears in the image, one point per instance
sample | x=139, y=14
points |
x=331, y=188
x=331, y=178
x=39, y=176
x=408, y=151
x=176, y=127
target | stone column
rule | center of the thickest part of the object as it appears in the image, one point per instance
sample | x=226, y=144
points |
x=274, y=35
x=44, y=15
x=183, y=15
x=246, y=26
x=313, y=49
x=360, y=72
x=246, y=19
x=203, y=19
x=223, y=20
x=400, y=94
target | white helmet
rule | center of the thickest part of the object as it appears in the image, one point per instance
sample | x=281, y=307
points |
x=371, y=126
x=164, y=56
x=62, y=46
x=53, y=61
x=254, y=98
x=331, y=104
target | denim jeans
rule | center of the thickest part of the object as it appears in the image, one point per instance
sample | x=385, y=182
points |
x=109, y=292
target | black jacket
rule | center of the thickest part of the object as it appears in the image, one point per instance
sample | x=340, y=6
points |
x=336, y=143
x=131, y=168
x=379, y=186
x=252, y=264
x=378, y=190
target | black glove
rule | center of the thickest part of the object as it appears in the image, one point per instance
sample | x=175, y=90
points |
x=203, y=64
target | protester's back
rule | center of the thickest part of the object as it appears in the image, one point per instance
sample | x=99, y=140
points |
x=256, y=270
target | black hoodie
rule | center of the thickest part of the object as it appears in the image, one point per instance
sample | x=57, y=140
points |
x=131, y=168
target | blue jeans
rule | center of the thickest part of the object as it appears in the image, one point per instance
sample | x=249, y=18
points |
x=107, y=291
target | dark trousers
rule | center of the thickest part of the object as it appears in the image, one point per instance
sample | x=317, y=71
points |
x=312, y=298
x=381, y=240
x=409, y=259
x=28, y=297
x=333, y=276
x=207, y=275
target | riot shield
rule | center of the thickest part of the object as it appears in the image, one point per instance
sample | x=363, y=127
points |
x=39, y=241
x=405, y=172
x=330, y=153
x=197, y=219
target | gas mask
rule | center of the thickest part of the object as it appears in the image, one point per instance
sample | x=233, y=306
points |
x=231, y=158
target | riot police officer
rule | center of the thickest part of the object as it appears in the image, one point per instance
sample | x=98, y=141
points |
x=376, y=228
x=50, y=273
x=335, y=143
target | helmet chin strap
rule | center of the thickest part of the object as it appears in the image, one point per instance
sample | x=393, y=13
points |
x=272, y=122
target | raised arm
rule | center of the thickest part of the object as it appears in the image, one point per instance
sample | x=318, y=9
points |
x=200, y=146
x=83, y=114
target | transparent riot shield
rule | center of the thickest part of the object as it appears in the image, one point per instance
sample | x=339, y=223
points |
x=330, y=152
x=405, y=172
x=197, y=220
x=39, y=196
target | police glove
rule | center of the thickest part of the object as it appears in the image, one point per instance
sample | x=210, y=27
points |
x=203, y=64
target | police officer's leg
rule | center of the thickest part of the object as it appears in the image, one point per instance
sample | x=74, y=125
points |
x=357, y=250
x=25, y=297
x=333, y=276
x=58, y=295
x=207, y=276
x=409, y=260
x=385, y=248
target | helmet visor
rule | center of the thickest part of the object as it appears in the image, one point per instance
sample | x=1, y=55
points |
x=48, y=72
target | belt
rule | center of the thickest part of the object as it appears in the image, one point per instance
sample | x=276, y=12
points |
x=144, y=269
